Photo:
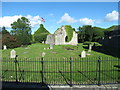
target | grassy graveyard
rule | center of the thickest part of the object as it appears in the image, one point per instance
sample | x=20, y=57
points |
x=30, y=67
x=58, y=51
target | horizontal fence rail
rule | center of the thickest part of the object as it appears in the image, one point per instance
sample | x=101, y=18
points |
x=62, y=71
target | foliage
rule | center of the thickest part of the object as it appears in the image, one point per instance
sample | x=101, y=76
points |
x=4, y=31
x=41, y=34
x=10, y=41
x=98, y=33
x=89, y=33
x=69, y=31
x=85, y=33
x=41, y=37
x=108, y=30
x=22, y=29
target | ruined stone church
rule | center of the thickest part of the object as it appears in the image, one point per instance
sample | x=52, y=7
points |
x=59, y=37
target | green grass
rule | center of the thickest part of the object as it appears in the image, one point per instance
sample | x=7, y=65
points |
x=56, y=60
x=58, y=51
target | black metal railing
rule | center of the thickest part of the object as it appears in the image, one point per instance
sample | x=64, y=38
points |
x=61, y=71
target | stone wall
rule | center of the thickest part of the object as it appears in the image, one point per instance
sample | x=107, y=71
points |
x=50, y=39
x=58, y=38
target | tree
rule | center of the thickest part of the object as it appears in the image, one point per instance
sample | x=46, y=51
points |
x=4, y=31
x=22, y=29
x=41, y=34
x=10, y=41
x=85, y=33
x=98, y=33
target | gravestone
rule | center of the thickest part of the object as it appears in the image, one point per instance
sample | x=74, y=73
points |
x=12, y=53
x=90, y=47
x=44, y=48
x=43, y=54
x=83, y=54
x=51, y=46
x=4, y=47
x=43, y=42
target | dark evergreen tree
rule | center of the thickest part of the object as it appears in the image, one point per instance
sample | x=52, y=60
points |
x=22, y=29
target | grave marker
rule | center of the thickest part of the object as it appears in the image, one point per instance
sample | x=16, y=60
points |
x=12, y=53
x=4, y=47
x=83, y=54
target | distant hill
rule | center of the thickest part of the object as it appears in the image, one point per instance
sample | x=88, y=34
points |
x=112, y=28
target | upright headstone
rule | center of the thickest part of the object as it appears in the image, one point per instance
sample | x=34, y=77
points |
x=12, y=53
x=43, y=54
x=4, y=47
x=43, y=42
x=90, y=47
x=51, y=46
x=83, y=54
x=44, y=48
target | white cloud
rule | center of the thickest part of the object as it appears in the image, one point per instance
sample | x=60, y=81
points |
x=67, y=18
x=112, y=16
x=34, y=20
x=8, y=20
x=86, y=21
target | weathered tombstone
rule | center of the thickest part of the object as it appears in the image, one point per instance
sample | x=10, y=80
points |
x=43, y=42
x=51, y=46
x=83, y=54
x=90, y=47
x=4, y=47
x=44, y=48
x=43, y=54
x=12, y=53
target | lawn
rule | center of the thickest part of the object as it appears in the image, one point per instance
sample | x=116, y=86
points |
x=56, y=65
x=58, y=51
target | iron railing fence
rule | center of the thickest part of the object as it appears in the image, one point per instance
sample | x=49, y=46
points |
x=62, y=71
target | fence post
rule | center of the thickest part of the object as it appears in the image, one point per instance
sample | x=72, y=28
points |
x=99, y=62
x=16, y=68
x=70, y=71
x=42, y=71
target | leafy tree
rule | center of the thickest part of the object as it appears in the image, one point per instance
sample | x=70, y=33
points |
x=41, y=34
x=10, y=41
x=89, y=33
x=85, y=33
x=81, y=35
x=108, y=30
x=22, y=29
x=4, y=31
x=98, y=33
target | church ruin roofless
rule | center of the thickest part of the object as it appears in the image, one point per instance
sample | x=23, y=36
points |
x=65, y=35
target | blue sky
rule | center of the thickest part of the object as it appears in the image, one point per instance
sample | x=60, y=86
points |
x=56, y=14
